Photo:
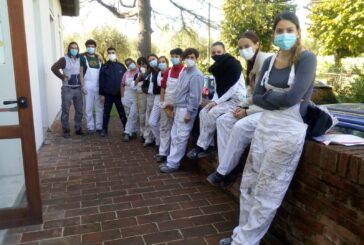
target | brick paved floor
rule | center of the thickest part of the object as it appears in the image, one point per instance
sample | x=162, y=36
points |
x=103, y=191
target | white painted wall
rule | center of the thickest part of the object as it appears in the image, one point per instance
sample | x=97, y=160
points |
x=45, y=46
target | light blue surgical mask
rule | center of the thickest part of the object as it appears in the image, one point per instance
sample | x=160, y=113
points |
x=285, y=41
x=73, y=51
x=162, y=66
x=175, y=61
x=131, y=66
x=153, y=63
x=90, y=50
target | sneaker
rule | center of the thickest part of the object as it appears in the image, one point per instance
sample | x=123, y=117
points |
x=226, y=241
x=165, y=169
x=66, y=133
x=160, y=158
x=146, y=144
x=103, y=133
x=79, y=132
x=199, y=152
x=215, y=179
x=126, y=138
x=162, y=165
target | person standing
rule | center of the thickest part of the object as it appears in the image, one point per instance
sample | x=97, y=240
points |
x=169, y=85
x=235, y=129
x=154, y=117
x=187, y=101
x=141, y=96
x=129, y=98
x=110, y=79
x=283, y=91
x=71, y=92
x=150, y=88
x=89, y=73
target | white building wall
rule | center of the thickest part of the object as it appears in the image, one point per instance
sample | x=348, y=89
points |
x=44, y=44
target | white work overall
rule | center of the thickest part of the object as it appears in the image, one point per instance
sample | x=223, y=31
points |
x=148, y=135
x=91, y=85
x=274, y=154
x=208, y=117
x=129, y=101
x=165, y=121
x=155, y=113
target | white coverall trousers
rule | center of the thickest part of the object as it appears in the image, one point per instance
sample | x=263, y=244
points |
x=148, y=135
x=92, y=98
x=131, y=110
x=179, y=137
x=154, y=119
x=166, y=124
x=208, y=121
x=274, y=154
x=233, y=136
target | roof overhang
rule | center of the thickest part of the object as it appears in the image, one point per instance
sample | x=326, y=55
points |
x=70, y=7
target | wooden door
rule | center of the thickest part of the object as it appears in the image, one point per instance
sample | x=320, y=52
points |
x=20, y=201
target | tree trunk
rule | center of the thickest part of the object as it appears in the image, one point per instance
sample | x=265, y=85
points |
x=337, y=59
x=144, y=26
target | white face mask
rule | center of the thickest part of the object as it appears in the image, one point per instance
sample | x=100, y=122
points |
x=112, y=57
x=143, y=70
x=189, y=62
x=247, y=53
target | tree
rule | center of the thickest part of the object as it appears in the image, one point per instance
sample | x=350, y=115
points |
x=255, y=15
x=338, y=27
x=142, y=10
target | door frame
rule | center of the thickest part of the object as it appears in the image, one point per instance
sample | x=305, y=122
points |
x=32, y=214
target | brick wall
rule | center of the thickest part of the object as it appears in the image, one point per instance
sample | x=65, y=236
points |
x=325, y=202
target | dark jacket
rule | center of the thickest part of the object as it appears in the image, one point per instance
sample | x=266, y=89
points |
x=146, y=81
x=110, y=78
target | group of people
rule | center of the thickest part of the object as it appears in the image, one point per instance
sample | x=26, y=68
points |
x=265, y=110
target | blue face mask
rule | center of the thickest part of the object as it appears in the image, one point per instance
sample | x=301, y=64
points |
x=73, y=52
x=153, y=63
x=162, y=66
x=285, y=41
x=131, y=66
x=175, y=61
x=90, y=50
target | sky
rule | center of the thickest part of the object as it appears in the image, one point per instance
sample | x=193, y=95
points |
x=93, y=15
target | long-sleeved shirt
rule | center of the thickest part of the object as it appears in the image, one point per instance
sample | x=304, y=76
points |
x=305, y=71
x=189, y=92
x=60, y=64
x=238, y=92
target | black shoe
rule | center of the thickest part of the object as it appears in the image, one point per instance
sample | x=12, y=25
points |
x=79, y=132
x=99, y=131
x=160, y=158
x=199, y=152
x=103, y=133
x=216, y=179
x=66, y=133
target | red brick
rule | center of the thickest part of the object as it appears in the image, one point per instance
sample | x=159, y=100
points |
x=39, y=235
x=80, y=229
x=343, y=164
x=139, y=230
x=194, y=204
x=226, y=225
x=150, y=218
x=216, y=208
x=175, y=224
x=127, y=241
x=115, y=207
x=186, y=213
x=165, y=207
x=81, y=211
x=119, y=223
x=189, y=241
x=180, y=198
x=140, y=190
x=146, y=203
x=70, y=240
x=62, y=222
x=128, y=198
x=162, y=237
x=132, y=212
x=97, y=217
x=198, y=231
x=91, y=238
x=96, y=202
x=155, y=194
x=354, y=169
x=207, y=219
